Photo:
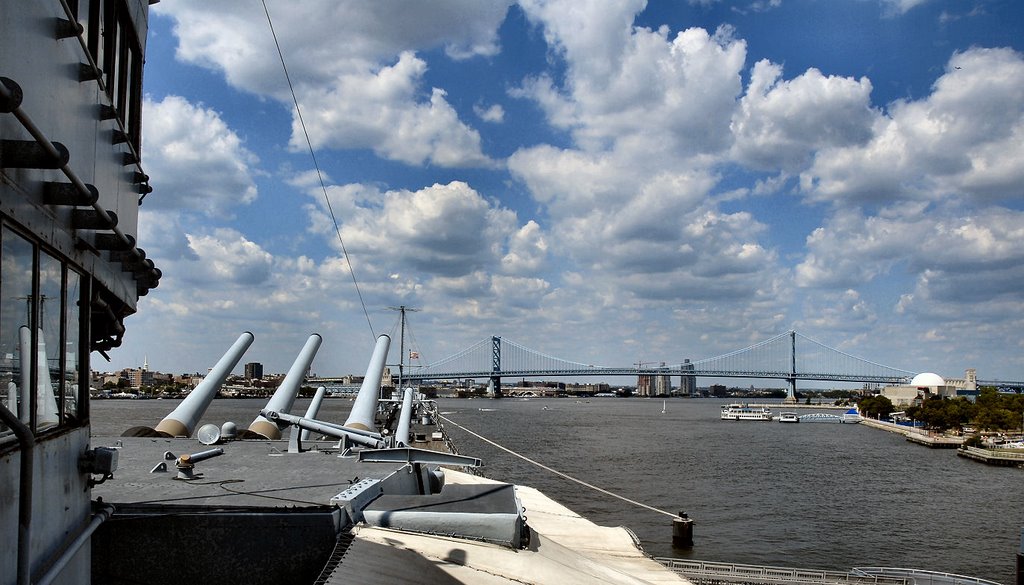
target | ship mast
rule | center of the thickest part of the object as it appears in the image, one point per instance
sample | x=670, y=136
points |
x=401, y=340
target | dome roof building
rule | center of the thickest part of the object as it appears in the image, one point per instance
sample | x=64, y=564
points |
x=927, y=380
x=927, y=384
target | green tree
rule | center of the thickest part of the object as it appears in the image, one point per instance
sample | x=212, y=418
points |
x=998, y=412
x=943, y=414
x=875, y=406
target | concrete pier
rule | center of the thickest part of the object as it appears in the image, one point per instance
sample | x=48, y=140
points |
x=1003, y=457
x=935, y=441
x=915, y=435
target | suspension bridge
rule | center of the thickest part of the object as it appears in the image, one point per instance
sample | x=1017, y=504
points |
x=788, y=356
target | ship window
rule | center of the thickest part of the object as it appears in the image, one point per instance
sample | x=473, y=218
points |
x=48, y=343
x=16, y=268
x=114, y=46
x=111, y=38
x=40, y=335
x=133, y=111
x=71, y=379
x=89, y=17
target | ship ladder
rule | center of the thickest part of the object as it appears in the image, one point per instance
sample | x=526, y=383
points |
x=341, y=547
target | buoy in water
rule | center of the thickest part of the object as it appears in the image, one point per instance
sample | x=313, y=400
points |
x=682, y=531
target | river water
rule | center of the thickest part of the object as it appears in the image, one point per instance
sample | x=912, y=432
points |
x=810, y=495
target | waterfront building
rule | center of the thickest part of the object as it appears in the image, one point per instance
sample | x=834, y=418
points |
x=687, y=383
x=137, y=378
x=593, y=388
x=653, y=385
x=253, y=370
x=645, y=385
x=662, y=385
x=968, y=385
x=926, y=385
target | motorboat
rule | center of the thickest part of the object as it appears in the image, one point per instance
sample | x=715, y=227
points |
x=789, y=417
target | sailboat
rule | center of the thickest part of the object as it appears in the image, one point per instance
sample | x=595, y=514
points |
x=664, y=403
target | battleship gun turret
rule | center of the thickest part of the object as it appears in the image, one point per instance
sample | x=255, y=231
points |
x=404, y=420
x=181, y=422
x=365, y=406
x=284, y=397
x=313, y=409
x=351, y=434
x=187, y=463
x=359, y=428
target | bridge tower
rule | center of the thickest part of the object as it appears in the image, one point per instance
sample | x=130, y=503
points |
x=496, y=365
x=791, y=395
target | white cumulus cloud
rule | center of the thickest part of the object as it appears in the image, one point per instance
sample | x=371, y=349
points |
x=195, y=161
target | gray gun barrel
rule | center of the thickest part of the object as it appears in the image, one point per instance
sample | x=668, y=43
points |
x=365, y=406
x=404, y=420
x=200, y=456
x=182, y=420
x=359, y=436
x=284, y=396
x=313, y=409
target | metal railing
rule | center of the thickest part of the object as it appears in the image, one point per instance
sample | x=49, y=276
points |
x=712, y=573
x=919, y=577
x=995, y=453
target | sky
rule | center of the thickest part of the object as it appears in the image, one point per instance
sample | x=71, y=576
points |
x=604, y=182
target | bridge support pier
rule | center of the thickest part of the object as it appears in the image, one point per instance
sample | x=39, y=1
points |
x=791, y=393
x=494, y=387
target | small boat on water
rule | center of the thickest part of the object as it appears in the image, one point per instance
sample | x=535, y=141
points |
x=789, y=417
x=737, y=411
x=999, y=442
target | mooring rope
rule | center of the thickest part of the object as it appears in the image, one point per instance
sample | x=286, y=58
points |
x=556, y=472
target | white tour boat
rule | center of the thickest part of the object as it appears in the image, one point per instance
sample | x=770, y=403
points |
x=789, y=417
x=738, y=411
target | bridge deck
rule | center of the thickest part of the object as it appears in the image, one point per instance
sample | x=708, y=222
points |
x=789, y=356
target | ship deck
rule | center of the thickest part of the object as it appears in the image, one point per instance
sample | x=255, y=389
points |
x=261, y=512
x=257, y=473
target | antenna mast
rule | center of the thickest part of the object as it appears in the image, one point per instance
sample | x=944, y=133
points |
x=401, y=340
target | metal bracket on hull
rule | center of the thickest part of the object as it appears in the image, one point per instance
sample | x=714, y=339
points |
x=417, y=456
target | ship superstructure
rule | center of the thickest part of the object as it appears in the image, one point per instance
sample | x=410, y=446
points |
x=71, y=271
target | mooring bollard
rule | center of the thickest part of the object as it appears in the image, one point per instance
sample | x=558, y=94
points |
x=682, y=531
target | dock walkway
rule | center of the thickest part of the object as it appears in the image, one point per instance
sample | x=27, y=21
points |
x=1002, y=457
x=915, y=436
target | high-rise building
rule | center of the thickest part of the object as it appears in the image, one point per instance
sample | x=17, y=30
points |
x=687, y=383
x=645, y=385
x=254, y=371
x=662, y=385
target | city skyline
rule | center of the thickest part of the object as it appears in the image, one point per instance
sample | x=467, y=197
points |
x=605, y=183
